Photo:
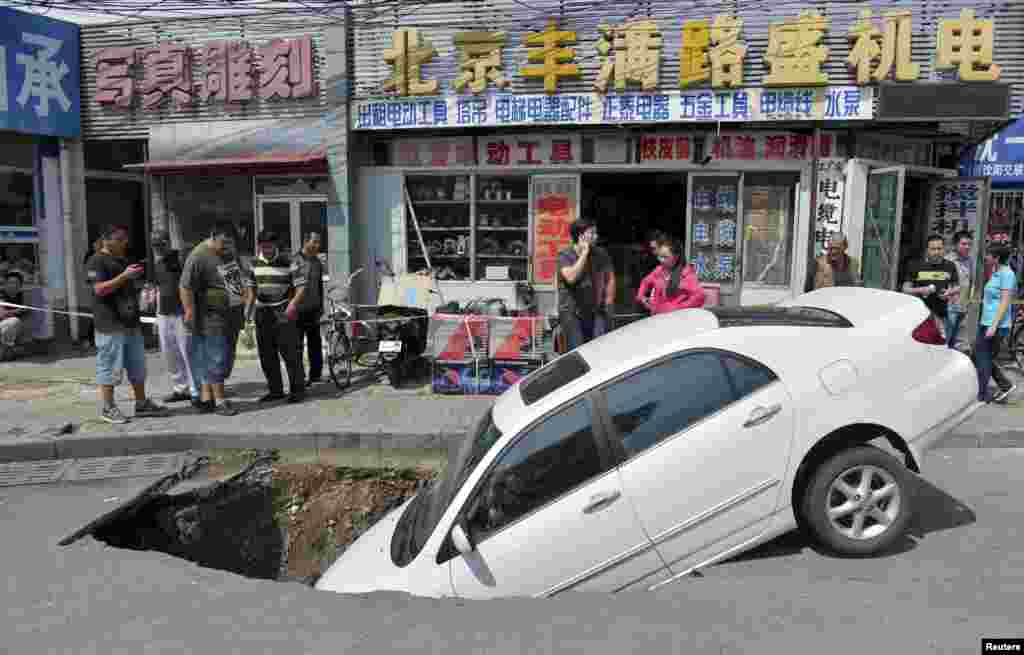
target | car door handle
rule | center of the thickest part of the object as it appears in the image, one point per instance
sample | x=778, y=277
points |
x=600, y=501
x=762, y=415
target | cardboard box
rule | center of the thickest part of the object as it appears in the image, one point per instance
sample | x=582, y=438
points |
x=456, y=378
x=503, y=375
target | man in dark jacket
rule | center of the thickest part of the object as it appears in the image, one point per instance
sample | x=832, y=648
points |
x=312, y=308
x=586, y=286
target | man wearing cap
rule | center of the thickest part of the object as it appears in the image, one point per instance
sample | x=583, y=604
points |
x=174, y=339
x=280, y=284
x=312, y=305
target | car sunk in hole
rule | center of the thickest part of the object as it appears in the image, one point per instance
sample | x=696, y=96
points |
x=676, y=442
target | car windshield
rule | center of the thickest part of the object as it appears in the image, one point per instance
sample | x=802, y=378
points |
x=424, y=512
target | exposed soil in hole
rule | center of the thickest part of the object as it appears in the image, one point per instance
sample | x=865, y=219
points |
x=276, y=521
x=324, y=508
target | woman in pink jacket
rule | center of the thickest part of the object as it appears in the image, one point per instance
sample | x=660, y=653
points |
x=673, y=284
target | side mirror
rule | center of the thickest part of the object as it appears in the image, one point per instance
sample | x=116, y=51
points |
x=461, y=539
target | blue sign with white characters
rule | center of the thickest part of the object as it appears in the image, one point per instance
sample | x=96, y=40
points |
x=40, y=73
x=844, y=103
x=1001, y=157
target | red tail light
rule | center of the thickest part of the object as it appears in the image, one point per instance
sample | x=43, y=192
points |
x=928, y=332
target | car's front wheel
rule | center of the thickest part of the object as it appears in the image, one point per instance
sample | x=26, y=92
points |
x=859, y=501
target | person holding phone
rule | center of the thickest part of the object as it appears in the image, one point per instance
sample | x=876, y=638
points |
x=586, y=286
x=118, y=328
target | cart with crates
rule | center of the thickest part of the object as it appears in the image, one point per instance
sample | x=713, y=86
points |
x=517, y=348
x=458, y=346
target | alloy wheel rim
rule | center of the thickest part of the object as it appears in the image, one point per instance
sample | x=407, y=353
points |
x=863, y=502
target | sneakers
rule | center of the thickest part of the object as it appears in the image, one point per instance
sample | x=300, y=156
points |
x=113, y=415
x=225, y=409
x=148, y=408
x=204, y=406
x=1003, y=394
x=177, y=397
x=296, y=397
x=271, y=397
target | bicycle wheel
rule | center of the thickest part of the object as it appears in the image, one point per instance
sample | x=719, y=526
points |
x=339, y=359
x=1016, y=345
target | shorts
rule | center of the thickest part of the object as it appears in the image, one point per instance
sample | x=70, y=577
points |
x=208, y=357
x=118, y=351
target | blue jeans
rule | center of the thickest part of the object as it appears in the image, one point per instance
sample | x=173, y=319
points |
x=208, y=356
x=985, y=352
x=118, y=351
x=579, y=331
x=953, y=322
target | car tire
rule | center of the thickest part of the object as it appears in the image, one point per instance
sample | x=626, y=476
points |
x=835, y=504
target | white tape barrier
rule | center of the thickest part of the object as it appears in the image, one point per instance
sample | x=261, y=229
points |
x=47, y=310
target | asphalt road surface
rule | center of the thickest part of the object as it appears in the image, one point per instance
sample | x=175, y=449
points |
x=959, y=579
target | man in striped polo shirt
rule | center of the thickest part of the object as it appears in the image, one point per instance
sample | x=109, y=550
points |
x=280, y=283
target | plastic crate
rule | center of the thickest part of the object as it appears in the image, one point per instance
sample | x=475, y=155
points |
x=459, y=378
x=458, y=337
x=520, y=338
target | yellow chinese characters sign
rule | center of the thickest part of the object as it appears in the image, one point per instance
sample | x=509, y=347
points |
x=712, y=53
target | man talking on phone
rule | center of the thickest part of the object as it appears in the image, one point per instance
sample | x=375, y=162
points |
x=118, y=328
x=586, y=286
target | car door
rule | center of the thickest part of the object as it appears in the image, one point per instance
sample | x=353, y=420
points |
x=550, y=516
x=705, y=438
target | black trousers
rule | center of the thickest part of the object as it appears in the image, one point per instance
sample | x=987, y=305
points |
x=309, y=334
x=236, y=321
x=278, y=337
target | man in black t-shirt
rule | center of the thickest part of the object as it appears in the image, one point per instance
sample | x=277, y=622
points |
x=586, y=286
x=934, y=279
x=174, y=339
x=119, y=341
x=312, y=308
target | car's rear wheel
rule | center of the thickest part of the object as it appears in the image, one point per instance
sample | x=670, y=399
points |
x=858, y=502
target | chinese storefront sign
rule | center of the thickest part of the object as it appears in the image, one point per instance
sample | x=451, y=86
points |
x=956, y=204
x=227, y=72
x=546, y=49
x=554, y=209
x=770, y=147
x=828, y=218
x=712, y=52
x=39, y=75
x=437, y=152
x=1000, y=157
x=663, y=148
x=849, y=103
x=529, y=150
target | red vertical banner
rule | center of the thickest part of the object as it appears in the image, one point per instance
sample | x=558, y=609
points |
x=554, y=209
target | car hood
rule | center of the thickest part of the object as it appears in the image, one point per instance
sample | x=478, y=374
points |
x=366, y=564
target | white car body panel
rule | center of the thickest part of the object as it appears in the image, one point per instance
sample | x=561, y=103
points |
x=617, y=554
x=713, y=490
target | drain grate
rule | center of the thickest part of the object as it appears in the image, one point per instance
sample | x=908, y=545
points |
x=41, y=472
x=121, y=467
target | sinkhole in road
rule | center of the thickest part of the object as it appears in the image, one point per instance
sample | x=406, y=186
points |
x=262, y=514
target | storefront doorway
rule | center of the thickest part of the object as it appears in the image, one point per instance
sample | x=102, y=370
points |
x=292, y=218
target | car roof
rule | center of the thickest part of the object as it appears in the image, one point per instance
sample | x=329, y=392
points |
x=607, y=357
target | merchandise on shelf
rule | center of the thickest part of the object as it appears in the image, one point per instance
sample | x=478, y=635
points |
x=704, y=198
x=726, y=199
x=727, y=233
x=701, y=233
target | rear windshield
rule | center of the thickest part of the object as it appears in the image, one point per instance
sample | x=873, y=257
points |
x=779, y=316
x=554, y=376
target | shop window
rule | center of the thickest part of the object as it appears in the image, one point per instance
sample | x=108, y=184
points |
x=502, y=227
x=714, y=226
x=442, y=205
x=15, y=198
x=195, y=204
x=768, y=208
x=22, y=258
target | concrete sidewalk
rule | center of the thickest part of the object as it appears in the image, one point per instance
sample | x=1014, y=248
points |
x=49, y=411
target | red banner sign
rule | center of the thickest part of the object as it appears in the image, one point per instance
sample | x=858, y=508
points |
x=554, y=209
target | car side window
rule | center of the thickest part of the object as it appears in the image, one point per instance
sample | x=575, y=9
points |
x=665, y=399
x=550, y=459
x=747, y=376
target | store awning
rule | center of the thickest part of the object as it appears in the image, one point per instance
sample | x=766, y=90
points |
x=285, y=146
x=1001, y=157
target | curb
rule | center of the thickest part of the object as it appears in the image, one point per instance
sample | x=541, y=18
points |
x=149, y=443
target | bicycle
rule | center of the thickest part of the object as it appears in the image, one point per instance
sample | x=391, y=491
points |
x=336, y=333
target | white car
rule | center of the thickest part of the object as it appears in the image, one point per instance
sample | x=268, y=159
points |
x=678, y=441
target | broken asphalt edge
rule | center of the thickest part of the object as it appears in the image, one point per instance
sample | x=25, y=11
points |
x=149, y=443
